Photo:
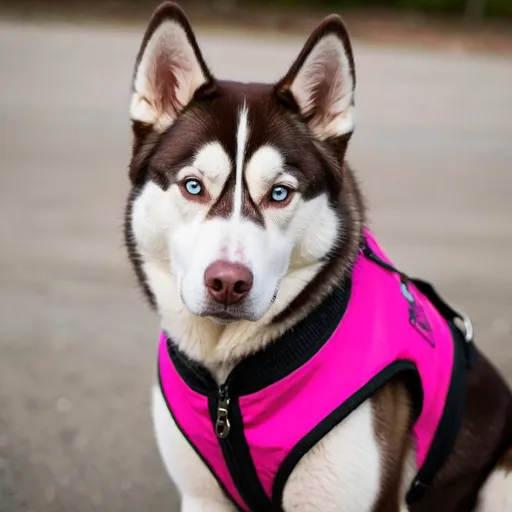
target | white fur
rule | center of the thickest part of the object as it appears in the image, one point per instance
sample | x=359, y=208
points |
x=241, y=142
x=342, y=473
x=496, y=495
x=168, y=51
x=177, y=244
x=326, y=67
x=265, y=169
x=152, y=222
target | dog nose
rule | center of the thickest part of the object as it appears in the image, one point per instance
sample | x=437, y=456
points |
x=228, y=282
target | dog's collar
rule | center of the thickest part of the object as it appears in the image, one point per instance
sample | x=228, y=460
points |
x=280, y=358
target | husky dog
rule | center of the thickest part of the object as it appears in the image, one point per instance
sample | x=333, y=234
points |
x=281, y=385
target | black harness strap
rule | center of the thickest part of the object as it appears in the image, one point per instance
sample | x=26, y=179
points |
x=449, y=424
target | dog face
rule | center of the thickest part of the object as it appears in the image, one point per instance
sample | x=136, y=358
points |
x=236, y=187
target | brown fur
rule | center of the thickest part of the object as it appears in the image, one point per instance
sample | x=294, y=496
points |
x=393, y=418
x=483, y=442
x=485, y=434
x=505, y=462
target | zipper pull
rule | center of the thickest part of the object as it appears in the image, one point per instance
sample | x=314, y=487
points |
x=222, y=424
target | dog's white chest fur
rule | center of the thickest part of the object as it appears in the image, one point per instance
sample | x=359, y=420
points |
x=342, y=473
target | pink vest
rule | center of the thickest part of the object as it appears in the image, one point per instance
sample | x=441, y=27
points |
x=252, y=431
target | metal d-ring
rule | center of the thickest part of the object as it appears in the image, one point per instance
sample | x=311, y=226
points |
x=469, y=331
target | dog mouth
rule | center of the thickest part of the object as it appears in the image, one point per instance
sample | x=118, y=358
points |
x=227, y=314
x=224, y=317
x=233, y=314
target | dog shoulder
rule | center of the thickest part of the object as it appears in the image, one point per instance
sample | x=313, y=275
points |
x=362, y=464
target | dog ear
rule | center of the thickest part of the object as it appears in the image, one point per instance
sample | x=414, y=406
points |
x=321, y=82
x=169, y=69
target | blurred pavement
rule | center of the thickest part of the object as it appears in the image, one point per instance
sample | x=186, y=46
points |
x=78, y=345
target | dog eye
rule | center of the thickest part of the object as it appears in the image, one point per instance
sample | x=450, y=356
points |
x=193, y=187
x=279, y=193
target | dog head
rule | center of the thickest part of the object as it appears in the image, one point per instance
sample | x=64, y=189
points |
x=237, y=188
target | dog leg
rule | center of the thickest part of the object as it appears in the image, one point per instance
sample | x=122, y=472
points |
x=192, y=504
x=196, y=485
x=496, y=494
x=392, y=420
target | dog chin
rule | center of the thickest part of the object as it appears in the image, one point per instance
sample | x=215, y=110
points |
x=219, y=314
x=225, y=318
x=227, y=315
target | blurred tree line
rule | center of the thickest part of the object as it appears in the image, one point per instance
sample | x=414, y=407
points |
x=470, y=8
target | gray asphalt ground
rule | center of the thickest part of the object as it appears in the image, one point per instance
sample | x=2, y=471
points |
x=77, y=344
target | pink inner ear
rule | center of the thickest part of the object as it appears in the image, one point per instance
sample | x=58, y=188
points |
x=323, y=76
x=165, y=81
x=323, y=87
x=327, y=95
x=326, y=83
x=169, y=70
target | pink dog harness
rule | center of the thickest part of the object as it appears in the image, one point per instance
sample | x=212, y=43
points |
x=253, y=430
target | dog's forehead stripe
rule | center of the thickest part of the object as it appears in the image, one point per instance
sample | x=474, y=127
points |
x=241, y=142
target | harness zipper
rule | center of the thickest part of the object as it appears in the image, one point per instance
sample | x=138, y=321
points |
x=229, y=429
x=222, y=423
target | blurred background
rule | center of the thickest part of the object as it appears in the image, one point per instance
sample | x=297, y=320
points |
x=78, y=345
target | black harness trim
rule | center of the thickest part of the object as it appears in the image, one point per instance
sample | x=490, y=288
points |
x=449, y=425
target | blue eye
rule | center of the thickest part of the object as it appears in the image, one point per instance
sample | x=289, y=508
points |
x=280, y=193
x=193, y=187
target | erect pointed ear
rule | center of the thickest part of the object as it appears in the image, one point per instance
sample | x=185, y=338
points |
x=169, y=69
x=321, y=82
